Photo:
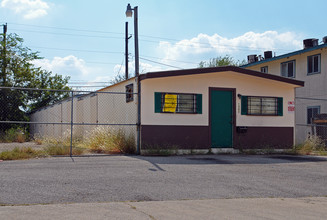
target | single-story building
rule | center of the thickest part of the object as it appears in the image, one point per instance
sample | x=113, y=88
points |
x=220, y=107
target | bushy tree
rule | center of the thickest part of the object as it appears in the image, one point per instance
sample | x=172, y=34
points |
x=221, y=61
x=17, y=70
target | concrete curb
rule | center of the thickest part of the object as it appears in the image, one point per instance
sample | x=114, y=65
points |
x=242, y=208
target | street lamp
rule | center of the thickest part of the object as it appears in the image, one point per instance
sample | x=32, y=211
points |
x=129, y=13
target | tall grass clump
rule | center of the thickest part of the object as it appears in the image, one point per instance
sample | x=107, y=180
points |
x=60, y=146
x=312, y=145
x=21, y=153
x=104, y=139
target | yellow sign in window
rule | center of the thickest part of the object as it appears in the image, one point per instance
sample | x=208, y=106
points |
x=170, y=103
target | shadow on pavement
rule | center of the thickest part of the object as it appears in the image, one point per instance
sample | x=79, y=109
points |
x=230, y=159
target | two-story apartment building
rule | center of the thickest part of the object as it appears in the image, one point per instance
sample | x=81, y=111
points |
x=308, y=65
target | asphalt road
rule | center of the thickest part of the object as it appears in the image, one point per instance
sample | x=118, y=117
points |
x=138, y=178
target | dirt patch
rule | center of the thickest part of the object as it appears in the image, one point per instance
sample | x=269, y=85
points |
x=11, y=146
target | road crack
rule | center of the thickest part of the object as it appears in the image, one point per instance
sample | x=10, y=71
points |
x=133, y=207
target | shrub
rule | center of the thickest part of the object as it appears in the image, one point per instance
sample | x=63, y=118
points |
x=311, y=145
x=14, y=135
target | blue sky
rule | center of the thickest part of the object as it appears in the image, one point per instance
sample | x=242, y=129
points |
x=85, y=39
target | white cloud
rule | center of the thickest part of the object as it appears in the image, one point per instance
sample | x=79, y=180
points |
x=204, y=46
x=68, y=66
x=30, y=9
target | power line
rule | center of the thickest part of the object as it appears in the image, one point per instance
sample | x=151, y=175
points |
x=205, y=45
x=69, y=29
x=110, y=52
x=179, y=61
x=75, y=35
x=77, y=50
x=160, y=63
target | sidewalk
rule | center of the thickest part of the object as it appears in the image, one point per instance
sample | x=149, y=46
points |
x=252, y=208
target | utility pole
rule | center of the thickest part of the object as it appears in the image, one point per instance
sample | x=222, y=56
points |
x=3, y=92
x=126, y=49
x=4, y=60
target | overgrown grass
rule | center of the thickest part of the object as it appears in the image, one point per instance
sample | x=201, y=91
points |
x=60, y=146
x=104, y=139
x=14, y=135
x=53, y=150
x=21, y=153
x=100, y=140
x=313, y=145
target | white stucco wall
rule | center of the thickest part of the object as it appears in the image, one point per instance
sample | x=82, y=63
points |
x=244, y=84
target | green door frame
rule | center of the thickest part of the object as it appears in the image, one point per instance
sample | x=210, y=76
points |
x=233, y=90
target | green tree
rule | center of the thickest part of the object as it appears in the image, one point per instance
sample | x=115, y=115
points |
x=18, y=70
x=221, y=61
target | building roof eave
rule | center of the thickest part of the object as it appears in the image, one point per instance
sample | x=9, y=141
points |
x=184, y=72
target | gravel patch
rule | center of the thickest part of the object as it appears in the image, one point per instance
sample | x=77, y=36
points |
x=11, y=146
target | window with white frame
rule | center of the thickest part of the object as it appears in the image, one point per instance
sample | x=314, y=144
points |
x=314, y=64
x=288, y=69
x=264, y=69
x=312, y=112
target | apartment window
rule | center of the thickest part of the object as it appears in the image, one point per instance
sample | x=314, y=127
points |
x=178, y=103
x=256, y=105
x=314, y=64
x=288, y=69
x=312, y=112
x=264, y=69
x=129, y=93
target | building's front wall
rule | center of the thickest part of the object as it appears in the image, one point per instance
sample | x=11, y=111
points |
x=314, y=88
x=193, y=130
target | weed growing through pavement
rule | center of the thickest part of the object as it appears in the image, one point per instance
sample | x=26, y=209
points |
x=160, y=150
x=312, y=145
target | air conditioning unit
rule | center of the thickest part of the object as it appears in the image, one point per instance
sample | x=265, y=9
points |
x=268, y=54
x=311, y=42
x=324, y=40
x=252, y=58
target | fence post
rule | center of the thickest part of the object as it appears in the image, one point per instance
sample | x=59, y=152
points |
x=71, y=126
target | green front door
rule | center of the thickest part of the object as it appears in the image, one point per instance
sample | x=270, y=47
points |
x=221, y=118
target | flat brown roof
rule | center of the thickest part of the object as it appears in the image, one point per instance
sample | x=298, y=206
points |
x=220, y=69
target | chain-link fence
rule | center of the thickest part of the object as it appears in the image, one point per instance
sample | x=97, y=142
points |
x=311, y=118
x=71, y=116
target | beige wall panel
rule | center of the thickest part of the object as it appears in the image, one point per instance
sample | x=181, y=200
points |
x=244, y=84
